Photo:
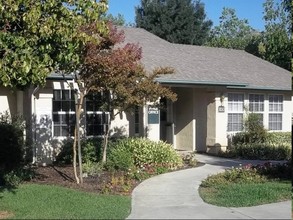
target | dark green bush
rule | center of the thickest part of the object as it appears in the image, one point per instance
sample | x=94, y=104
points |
x=91, y=151
x=281, y=171
x=256, y=143
x=253, y=126
x=120, y=157
x=14, y=177
x=263, y=151
x=11, y=146
x=254, y=131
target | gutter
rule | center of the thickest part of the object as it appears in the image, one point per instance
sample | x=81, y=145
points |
x=194, y=82
x=228, y=85
x=59, y=77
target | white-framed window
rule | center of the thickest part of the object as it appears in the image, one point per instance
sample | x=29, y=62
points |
x=63, y=113
x=97, y=120
x=256, y=105
x=275, y=112
x=275, y=103
x=235, y=111
x=256, y=102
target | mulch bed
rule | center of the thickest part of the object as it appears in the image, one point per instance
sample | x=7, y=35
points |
x=64, y=176
x=105, y=182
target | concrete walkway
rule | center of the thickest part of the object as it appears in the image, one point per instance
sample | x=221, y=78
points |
x=175, y=196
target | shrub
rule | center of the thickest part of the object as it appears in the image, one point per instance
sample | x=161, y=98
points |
x=263, y=151
x=275, y=171
x=250, y=174
x=279, y=137
x=120, y=157
x=15, y=177
x=65, y=156
x=143, y=155
x=234, y=175
x=91, y=151
x=92, y=168
x=256, y=133
x=12, y=146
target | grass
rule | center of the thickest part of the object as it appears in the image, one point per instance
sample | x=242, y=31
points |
x=34, y=201
x=246, y=194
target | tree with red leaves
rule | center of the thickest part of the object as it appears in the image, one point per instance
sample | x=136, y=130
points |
x=116, y=70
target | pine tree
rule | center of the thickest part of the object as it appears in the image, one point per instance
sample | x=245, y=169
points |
x=177, y=21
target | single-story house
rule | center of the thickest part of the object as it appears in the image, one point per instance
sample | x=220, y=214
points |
x=216, y=88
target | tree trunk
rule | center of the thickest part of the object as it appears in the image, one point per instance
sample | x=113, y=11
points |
x=105, y=142
x=78, y=106
x=80, y=101
x=74, y=157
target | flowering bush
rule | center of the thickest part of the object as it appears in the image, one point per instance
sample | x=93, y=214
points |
x=250, y=174
x=240, y=174
x=142, y=157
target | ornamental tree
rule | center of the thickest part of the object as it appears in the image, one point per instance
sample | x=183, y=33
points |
x=115, y=69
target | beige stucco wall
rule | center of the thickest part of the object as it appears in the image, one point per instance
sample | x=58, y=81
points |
x=8, y=101
x=183, y=120
x=287, y=115
x=199, y=125
x=201, y=105
x=46, y=145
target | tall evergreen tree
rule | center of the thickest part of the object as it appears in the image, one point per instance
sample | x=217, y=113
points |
x=177, y=21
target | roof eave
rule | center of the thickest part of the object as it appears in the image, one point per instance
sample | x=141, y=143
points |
x=228, y=85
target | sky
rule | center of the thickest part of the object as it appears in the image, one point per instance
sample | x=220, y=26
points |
x=252, y=10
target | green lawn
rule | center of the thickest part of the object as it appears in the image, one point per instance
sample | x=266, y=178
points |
x=32, y=201
x=246, y=194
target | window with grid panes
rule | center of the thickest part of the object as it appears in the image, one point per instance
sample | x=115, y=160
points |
x=63, y=113
x=275, y=112
x=256, y=105
x=235, y=111
x=96, y=119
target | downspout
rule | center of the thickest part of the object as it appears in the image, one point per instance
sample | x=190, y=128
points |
x=35, y=125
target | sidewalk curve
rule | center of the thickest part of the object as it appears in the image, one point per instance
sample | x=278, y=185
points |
x=175, y=196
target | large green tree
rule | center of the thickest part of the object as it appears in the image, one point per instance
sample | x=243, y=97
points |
x=39, y=37
x=276, y=44
x=177, y=21
x=232, y=32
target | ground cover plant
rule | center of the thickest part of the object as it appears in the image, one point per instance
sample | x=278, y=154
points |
x=34, y=201
x=248, y=185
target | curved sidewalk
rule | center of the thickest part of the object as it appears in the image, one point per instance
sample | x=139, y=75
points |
x=175, y=196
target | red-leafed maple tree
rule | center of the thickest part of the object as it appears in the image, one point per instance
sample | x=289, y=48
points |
x=114, y=68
